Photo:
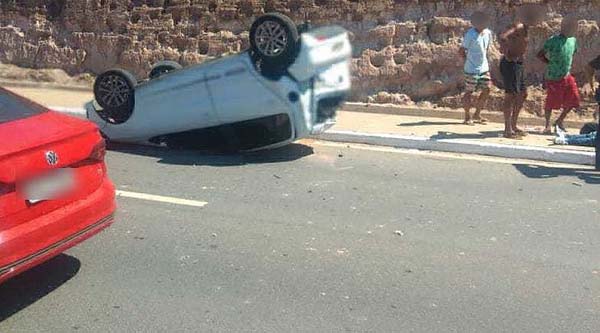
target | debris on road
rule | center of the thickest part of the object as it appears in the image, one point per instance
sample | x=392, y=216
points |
x=399, y=232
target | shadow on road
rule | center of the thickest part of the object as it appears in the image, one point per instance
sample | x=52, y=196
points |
x=23, y=290
x=287, y=153
x=588, y=176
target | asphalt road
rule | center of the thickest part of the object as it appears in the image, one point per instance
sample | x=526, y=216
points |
x=326, y=239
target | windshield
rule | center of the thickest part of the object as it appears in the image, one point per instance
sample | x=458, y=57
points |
x=13, y=107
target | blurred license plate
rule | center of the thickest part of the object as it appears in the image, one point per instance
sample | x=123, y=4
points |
x=50, y=186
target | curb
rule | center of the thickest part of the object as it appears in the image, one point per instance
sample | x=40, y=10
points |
x=462, y=146
x=64, y=109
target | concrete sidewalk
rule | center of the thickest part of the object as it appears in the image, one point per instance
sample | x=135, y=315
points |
x=451, y=135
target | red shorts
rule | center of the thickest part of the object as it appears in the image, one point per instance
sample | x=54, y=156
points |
x=562, y=94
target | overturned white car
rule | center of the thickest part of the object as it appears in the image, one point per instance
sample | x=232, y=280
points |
x=286, y=87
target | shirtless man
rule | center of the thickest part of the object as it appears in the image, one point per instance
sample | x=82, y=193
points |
x=513, y=45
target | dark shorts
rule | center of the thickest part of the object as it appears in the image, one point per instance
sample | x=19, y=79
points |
x=513, y=75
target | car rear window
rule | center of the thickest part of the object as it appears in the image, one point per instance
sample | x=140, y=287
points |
x=14, y=107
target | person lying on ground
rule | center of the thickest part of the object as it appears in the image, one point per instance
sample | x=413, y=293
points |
x=562, y=138
x=561, y=87
x=474, y=50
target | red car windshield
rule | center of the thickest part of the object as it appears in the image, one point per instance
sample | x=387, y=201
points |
x=13, y=107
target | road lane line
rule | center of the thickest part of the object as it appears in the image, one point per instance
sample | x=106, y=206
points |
x=160, y=198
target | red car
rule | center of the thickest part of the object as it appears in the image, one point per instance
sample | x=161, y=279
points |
x=54, y=189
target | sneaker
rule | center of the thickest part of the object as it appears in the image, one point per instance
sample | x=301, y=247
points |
x=560, y=131
x=560, y=140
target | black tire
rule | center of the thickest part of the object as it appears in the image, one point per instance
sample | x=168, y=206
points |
x=163, y=67
x=274, y=40
x=114, y=91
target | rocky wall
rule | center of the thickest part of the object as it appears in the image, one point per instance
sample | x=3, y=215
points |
x=400, y=46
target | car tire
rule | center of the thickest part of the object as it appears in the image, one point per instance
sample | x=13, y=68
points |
x=114, y=91
x=163, y=67
x=274, y=41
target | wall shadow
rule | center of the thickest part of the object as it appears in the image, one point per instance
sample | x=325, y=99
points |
x=27, y=288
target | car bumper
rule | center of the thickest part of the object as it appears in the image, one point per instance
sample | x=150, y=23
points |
x=29, y=244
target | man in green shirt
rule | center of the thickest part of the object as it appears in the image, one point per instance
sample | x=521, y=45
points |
x=562, y=91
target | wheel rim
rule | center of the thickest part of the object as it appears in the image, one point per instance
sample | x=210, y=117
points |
x=113, y=91
x=271, y=38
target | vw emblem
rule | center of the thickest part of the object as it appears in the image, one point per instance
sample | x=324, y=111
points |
x=51, y=157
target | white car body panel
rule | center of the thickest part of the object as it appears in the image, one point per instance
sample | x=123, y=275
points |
x=230, y=90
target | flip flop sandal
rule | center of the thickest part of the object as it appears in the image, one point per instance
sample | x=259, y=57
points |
x=513, y=137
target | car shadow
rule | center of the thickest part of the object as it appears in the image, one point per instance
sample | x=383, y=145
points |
x=27, y=288
x=430, y=123
x=589, y=176
x=165, y=155
x=441, y=135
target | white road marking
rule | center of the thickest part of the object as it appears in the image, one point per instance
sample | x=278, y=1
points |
x=160, y=198
x=446, y=155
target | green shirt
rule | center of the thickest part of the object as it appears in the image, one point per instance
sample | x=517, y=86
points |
x=559, y=51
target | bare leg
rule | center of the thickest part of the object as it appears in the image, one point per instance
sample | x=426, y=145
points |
x=509, y=101
x=468, y=103
x=481, y=101
x=548, y=115
x=518, y=106
x=561, y=118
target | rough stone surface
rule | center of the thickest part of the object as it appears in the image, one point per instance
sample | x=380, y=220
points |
x=400, y=46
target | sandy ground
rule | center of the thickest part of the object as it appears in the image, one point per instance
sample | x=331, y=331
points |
x=55, y=97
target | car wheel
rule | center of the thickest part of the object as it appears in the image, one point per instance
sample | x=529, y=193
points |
x=114, y=91
x=163, y=67
x=274, y=40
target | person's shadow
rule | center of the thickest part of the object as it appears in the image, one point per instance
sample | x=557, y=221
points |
x=165, y=155
x=588, y=176
x=27, y=288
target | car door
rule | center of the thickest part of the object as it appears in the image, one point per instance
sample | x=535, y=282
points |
x=239, y=93
x=173, y=103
